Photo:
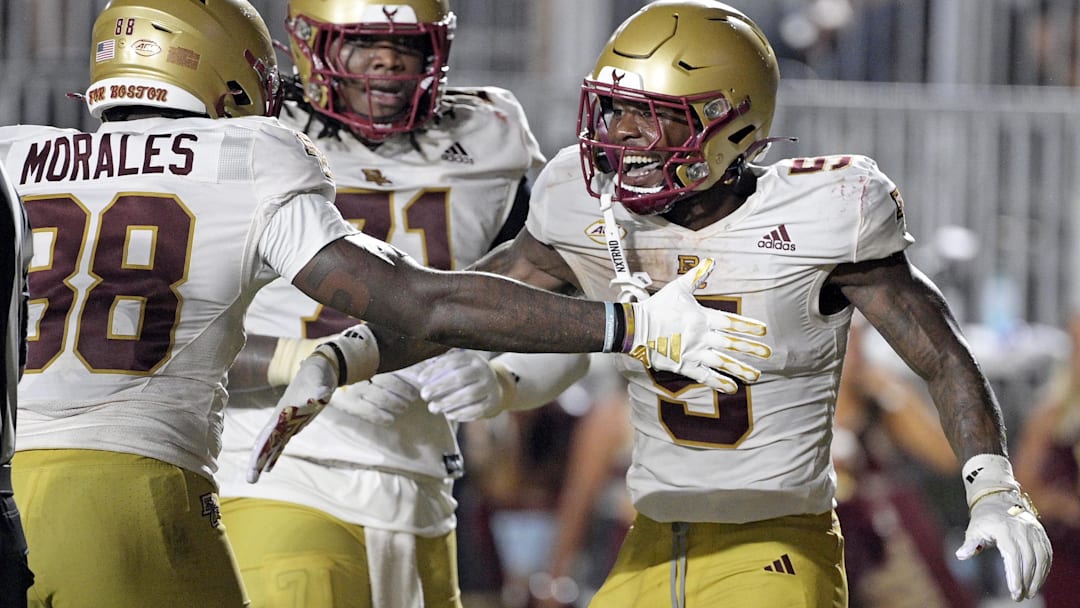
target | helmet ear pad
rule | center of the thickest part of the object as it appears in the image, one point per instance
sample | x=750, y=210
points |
x=723, y=149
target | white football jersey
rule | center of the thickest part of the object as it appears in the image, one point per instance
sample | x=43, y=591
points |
x=150, y=238
x=441, y=195
x=700, y=455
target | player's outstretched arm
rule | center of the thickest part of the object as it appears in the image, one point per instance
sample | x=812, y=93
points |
x=481, y=311
x=670, y=331
x=910, y=313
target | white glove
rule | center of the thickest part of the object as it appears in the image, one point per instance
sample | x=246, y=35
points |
x=1003, y=517
x=348, y=357
x=461, y=385
x=306, y=396
x=382, y=399
x=673, y=332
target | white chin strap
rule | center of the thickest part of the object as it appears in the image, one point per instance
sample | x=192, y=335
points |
x=631, y=284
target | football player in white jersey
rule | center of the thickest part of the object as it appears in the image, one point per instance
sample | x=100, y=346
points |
x=15, y=576
x=365, y=509
x=151, y=236
x=735, y=492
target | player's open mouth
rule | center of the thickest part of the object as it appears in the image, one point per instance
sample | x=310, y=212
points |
x=386, y=96
x=642, y=174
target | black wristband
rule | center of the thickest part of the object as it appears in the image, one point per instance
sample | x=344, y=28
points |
x=342, y=366
x=620, y=327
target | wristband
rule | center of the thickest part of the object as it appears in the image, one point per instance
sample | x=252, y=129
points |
x=615, y=326
x=609, y=326
x=288, y=353
x=624, y=324
x=355, y=352
x=624, y=316
x=986, y=474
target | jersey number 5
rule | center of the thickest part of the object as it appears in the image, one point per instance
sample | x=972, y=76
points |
x=138, y=259
x=725, y=425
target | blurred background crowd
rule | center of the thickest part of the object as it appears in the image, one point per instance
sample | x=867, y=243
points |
x=971, y=106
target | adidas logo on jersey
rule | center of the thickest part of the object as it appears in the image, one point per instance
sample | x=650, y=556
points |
x=457, y=154
x=778, y=239
x=781, y=566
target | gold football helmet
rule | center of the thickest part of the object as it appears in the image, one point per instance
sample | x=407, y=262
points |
x=698, y=59
x=210, y=57
x=317, y=27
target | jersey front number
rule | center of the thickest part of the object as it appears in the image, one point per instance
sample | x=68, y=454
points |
x=427, y=215
x=730, y=418
x=130, y=304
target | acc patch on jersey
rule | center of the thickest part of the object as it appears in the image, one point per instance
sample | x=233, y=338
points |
x=313, y=150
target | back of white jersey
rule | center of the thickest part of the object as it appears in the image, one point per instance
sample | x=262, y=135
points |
x=764, y=452
x=441, y=195
x=147, y=237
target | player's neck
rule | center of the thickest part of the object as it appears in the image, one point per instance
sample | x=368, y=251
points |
x=705, y=208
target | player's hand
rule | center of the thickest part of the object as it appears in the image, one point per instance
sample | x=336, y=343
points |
x=382, y=399
x=460, y=385
x=673, y=332
x=305, y=397
x=1007, y=520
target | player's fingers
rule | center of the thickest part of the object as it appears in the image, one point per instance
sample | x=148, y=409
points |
x=736, y=323
x=749, y=347
x=722, y=341
x=738, y=369
x=1027, y=566
x=972, y=546
x=1044, y=557
x=448, y=387
x=702, y=374
x=719, y=362
x=1014, y=575
x=700, y=273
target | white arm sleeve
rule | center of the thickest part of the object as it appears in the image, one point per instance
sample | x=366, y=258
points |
x=533, y=379
x=298, y=230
